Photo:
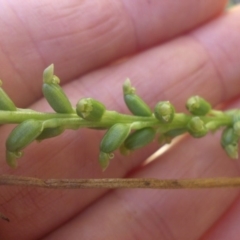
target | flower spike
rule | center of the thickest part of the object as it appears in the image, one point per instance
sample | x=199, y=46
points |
x=125, y=132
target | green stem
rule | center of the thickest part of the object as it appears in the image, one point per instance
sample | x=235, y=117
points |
x=73, y=121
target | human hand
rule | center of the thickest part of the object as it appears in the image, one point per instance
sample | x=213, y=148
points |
x=170, y=51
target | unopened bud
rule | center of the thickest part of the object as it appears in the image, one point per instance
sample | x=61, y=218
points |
x=134, y=103
x=90, y=109
x=114, y=137
x=198, y=106
x=236, y=128
x=54, y=94
x=20, y=137
x=48, y=74
x=11, y=158
x=139, y=138
x=104, y=159
x=228, y=137
x=232, y=150
x=196, y=127
x=164, y=112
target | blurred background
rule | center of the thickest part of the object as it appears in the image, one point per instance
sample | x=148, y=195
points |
x=233, y=2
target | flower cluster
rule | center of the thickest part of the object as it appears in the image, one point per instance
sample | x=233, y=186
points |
x=124, y=132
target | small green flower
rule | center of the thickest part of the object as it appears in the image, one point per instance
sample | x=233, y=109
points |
x=164, y=111
x=228, y=137
x=134, y=103
x=11, y=158
x=196, y=127
x=104, y=159
x=114, y=137
x=198, y=106
x=23, y=134
x=54, y=94
x=111, y=141
x=236, y=128
x=235, y=115
x=232, y=150
x=90, y=109
x=48, y=74
x=229, y=142
x=20, y=137
x=139, y=138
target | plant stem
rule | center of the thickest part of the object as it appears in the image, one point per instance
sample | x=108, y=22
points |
x=115, y=183
x=73, y=121
x=149, y=183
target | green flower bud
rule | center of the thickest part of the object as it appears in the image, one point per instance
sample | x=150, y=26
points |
x=23, y=135
x=11, y=158
x=104, y=159
x=198, y=106
x=236, y=128
x=164, y=112
x=232, y=150
x=196, y=127
x=228, y=137
x=114, y=137
x=50, y=133
x=48, y=74
x=134, y=103
x=54, y=94
x=235, y=115
x=20, y=137
x=90, y=109
x=140, y=138
x=229, y=142
x=5, y=102
x=57, y=98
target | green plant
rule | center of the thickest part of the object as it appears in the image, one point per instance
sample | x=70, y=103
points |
x=124, y=132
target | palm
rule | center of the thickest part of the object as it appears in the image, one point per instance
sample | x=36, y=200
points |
x=82, y=40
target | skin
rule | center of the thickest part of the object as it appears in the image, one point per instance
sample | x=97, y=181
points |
x=170, y=51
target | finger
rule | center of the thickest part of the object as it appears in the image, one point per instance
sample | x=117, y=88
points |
x=161, y=214
x=79, y=37
x=184, y=74
x=227, y=225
